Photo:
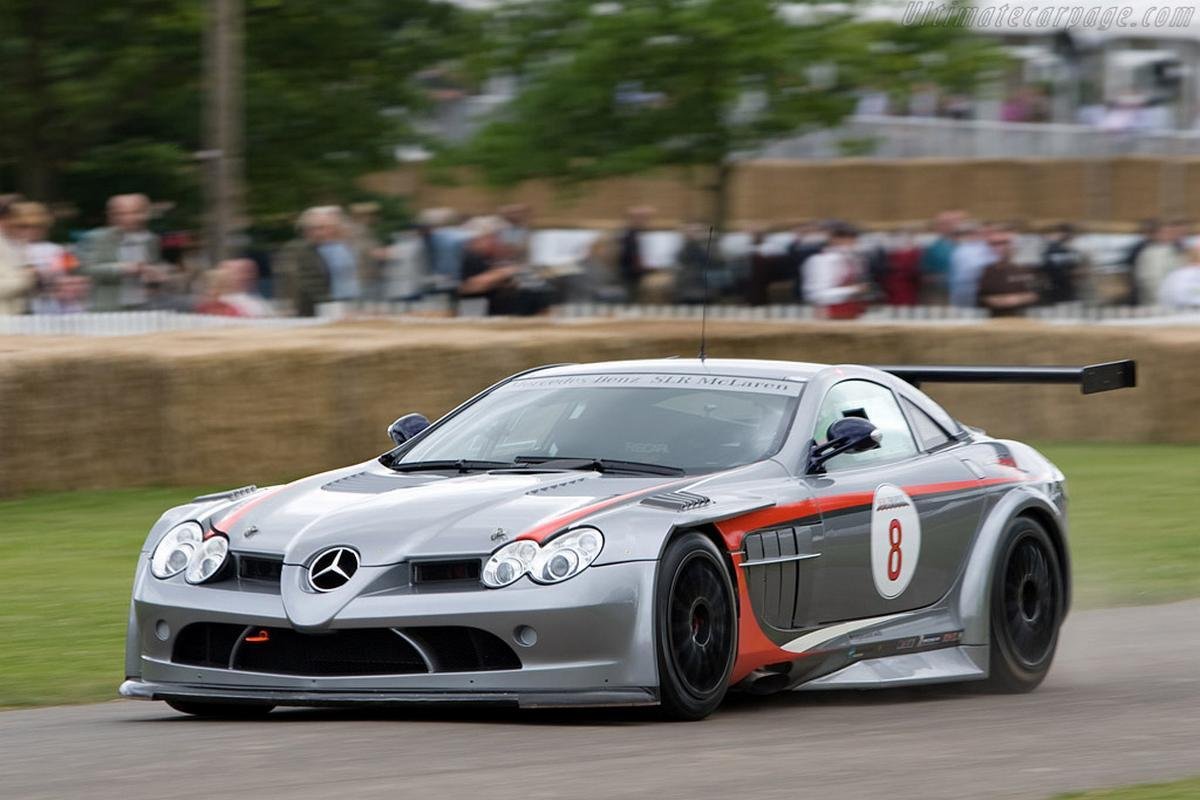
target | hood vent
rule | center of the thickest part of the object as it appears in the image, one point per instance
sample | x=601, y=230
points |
x=552, y=486
x=676, y=501
x=371, y=483
x=232, y=494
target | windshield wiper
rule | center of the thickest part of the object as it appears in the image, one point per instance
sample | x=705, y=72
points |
x=461, y=465
x=599, y=464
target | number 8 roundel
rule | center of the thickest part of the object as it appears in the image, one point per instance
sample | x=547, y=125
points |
x=895, y=540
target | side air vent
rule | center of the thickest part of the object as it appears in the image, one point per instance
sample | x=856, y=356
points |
x=676, y=501
x=779, y=567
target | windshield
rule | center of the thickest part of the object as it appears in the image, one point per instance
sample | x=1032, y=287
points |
x=697, y=423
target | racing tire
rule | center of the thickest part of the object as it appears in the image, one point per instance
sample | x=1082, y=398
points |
x=695, y=628
x=230, y=711
x=1027, y=607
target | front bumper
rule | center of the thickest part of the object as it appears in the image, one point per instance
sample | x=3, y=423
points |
x=594, y=643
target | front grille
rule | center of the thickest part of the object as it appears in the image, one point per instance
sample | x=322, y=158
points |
x=352, y=652
x=259, y=568
x=355, y=651
x=455, y=649
x=425, y=572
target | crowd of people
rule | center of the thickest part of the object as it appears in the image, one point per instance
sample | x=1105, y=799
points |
x=1002, y=268
x=488, y=264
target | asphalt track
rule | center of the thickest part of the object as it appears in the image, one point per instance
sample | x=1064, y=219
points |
x=1122, y=705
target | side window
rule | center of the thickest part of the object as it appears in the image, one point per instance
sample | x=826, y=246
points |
x=929, y=433
x=876, y=403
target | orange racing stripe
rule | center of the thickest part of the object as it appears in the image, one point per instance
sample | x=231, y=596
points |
x=543, y=530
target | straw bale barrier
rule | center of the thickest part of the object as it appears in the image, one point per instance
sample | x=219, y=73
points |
x=222, y=408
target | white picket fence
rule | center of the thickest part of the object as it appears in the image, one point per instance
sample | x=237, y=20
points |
x=133, y=323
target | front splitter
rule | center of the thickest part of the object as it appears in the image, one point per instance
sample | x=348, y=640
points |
x=144, y=690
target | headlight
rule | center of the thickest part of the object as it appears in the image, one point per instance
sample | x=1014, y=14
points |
x=562, y=557
x=175, y=550
x=208, y=560
x=509, y=563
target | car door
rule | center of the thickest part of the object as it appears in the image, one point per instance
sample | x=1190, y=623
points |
x=896, y=520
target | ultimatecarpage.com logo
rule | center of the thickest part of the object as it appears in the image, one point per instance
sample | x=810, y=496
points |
x=1035, y=16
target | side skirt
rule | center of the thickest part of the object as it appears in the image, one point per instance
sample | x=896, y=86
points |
x=948, y=665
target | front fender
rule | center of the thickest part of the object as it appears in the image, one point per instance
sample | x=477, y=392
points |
x=975, y=589
x=640, y=532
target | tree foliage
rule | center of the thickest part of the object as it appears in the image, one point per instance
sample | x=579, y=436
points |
x=105, y=98
x=618, y=87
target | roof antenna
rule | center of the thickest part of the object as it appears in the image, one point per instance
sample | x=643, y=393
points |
x=704, y=304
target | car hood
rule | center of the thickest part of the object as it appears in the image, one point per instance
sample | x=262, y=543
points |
x=390, y=517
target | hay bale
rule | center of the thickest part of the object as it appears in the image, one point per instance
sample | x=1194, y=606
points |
x=232, y=406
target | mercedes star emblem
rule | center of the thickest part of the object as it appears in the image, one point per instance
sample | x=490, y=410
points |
x=332, y=569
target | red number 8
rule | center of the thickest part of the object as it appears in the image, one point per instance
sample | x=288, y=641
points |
x=895, y=557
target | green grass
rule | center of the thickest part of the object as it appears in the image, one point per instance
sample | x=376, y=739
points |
x=1180, y=790
x=67, y=561
x=1134, y=510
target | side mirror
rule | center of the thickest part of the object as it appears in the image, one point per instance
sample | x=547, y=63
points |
x=407, y=427
x=847, y=435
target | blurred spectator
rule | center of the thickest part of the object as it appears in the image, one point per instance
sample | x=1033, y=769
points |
x=935, y=261
x=630, y=264
x=123, y=258
x=970, y=257
x=483, y=272
x=767, y=265
x=69, y=296
x=835, y=281
x=1158, y=259
x=1181, y=287
x=369, y=252
x=597, y=279
x=443, y=244
x=1029, y=247
x=30, y=228
x=924, y=100
x=1005, y=287
x=17, y=281
x=901, y=281
x=872, y=102
x=406, y=269
x=514, y=238
x=1062, y=266
x=322, y=265
x=692, y=280
x=239, y=288
x=1129, y=262
x=1025, y=104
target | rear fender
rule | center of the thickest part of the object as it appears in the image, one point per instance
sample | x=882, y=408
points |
x=975, y=588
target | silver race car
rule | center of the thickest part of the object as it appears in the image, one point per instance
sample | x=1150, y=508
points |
x=630, y=533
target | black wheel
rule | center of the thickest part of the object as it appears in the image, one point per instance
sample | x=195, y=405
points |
x=200, y=708
x=696, y=628
x=1027, y=608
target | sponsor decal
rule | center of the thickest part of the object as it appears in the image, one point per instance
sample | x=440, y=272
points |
x=731, y=383
x=895, y=540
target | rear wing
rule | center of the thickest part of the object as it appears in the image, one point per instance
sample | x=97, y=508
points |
x=1091, y=379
